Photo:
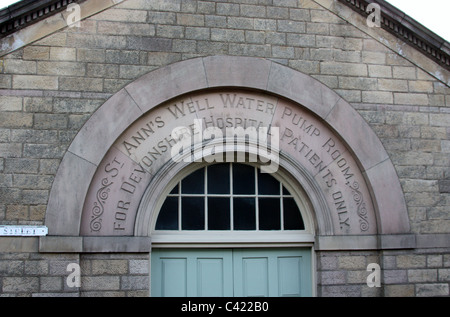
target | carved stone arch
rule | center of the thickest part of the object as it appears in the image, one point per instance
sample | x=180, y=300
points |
x=201, y=75
x=289, y=173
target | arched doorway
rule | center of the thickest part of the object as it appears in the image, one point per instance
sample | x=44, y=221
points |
x=228, y=229
x=109, y=185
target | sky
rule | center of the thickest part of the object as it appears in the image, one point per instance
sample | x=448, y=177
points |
x=433, y=14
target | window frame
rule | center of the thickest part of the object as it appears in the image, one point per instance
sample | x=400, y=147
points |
x=281, y=197
x=227, y=238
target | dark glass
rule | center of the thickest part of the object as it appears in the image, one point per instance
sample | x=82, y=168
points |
x=286, y=192
x=243, y=179
x=168, y=216
x=218, y=213
x=175, y=190
x=267, y=184
x=194, y=183
x=192, y=213
x=269, y=214
x=219, y=179
x=292, y=217
x=244, y=214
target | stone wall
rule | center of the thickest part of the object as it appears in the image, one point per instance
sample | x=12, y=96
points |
x=49, y=88
x=422, y=273
x=46, y=275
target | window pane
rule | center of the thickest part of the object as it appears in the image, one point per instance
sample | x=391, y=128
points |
x=218, y=213
x=292, y=217
x=269, y=214
x=243, y=179
x=244, y=213
x=175, y=190
x=219, y=179
x=194, y=183
x=219, y=207
x=193, y=213
x=267, y=184
x=168, y=216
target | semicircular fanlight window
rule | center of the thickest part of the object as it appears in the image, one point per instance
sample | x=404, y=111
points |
x=229, y=197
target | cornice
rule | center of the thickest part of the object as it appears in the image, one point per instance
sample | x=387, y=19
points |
x=52, y=22
x=27, y=12
x=407, y=29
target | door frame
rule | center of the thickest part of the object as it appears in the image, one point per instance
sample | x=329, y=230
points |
x=238, y=239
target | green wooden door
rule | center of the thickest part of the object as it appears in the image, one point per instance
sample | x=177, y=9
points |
x=192, y=273
x=272, y=272
x=231, y=272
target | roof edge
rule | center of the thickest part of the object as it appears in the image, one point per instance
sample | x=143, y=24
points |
x=39, y=29
x=407, y=29
x=26, y=12
x=397, y=23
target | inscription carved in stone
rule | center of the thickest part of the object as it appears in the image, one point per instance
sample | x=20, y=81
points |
x=124, y=174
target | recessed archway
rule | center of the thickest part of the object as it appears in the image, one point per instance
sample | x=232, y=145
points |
x=297, y=93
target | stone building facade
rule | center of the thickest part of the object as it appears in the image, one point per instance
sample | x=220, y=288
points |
x=373, y=187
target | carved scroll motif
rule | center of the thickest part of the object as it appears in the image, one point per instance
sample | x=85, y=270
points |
x=98, y=209
x=362, y=210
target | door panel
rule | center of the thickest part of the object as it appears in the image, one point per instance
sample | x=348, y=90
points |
x=174, y=277
x=253, y=273
x=200, y=273
x=231, y=272
x=210, y=277
x=289, y=276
